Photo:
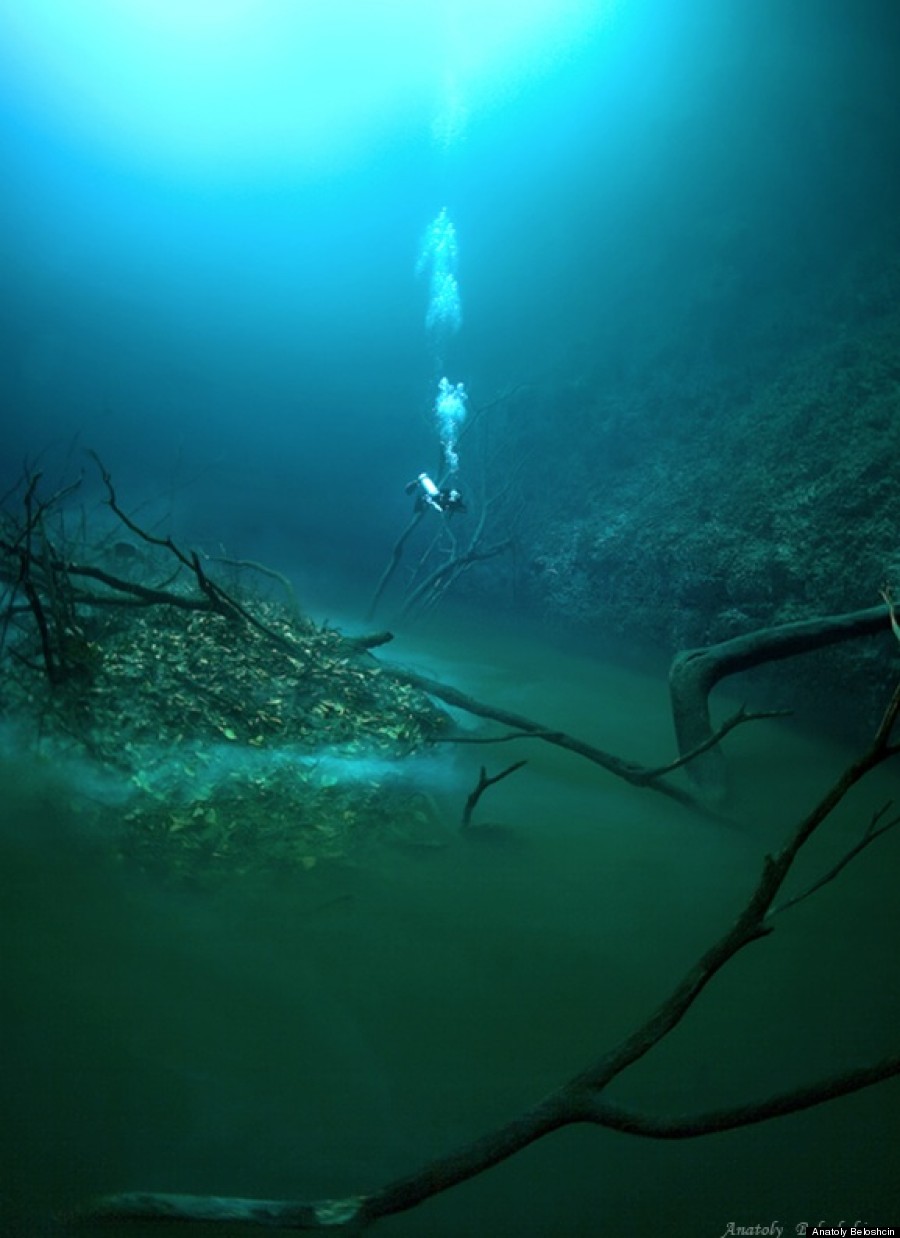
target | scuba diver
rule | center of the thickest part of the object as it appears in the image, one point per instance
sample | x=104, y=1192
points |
x=446, y=500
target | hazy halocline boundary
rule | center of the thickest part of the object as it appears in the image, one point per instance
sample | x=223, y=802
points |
x=89, y=660
x=217, y=730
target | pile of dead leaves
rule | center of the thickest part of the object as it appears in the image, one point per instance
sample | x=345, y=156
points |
x=217, y=726
x=179, y=675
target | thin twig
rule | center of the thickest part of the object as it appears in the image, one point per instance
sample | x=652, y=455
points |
x=871, y=833
x=264, y=571
x=630, y=771
x=736, y=719
x=481, y=786
x=495, y=739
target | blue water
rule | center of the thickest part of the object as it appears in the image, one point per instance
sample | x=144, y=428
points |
x=250, y=338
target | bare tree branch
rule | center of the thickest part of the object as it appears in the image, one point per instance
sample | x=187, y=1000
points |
x=715, y=1121
x=396, y=554
x=481, y=786
x=263, y=570
x=495, y=739
x=637, y=775
x=871, y=833
x=695, y=672
x=741, y=716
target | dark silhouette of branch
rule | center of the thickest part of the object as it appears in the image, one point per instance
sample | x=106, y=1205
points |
x=146, y=594
x=442, y=577
x=637, y=775
x=263, y=570
x=396, y=555
x=495, y=739
x=481, y=786
x=35, y=575
x=218, y=599
x=113, y=503
x=717, y=1120
x=695, y=672
x=739, y=717
x=873, y=830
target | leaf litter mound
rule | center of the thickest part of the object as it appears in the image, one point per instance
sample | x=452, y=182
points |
x=238, y=749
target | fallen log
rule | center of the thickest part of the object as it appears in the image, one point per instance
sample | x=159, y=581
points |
x=695, y=672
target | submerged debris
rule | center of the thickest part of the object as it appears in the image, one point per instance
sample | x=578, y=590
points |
x=198, y=675
x=277, y=817
x=242, y=748
x=241, y=734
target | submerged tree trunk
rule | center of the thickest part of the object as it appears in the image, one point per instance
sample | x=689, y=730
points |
x=695, y=672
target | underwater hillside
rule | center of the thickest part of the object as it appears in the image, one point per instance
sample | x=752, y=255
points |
x=449, y=586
